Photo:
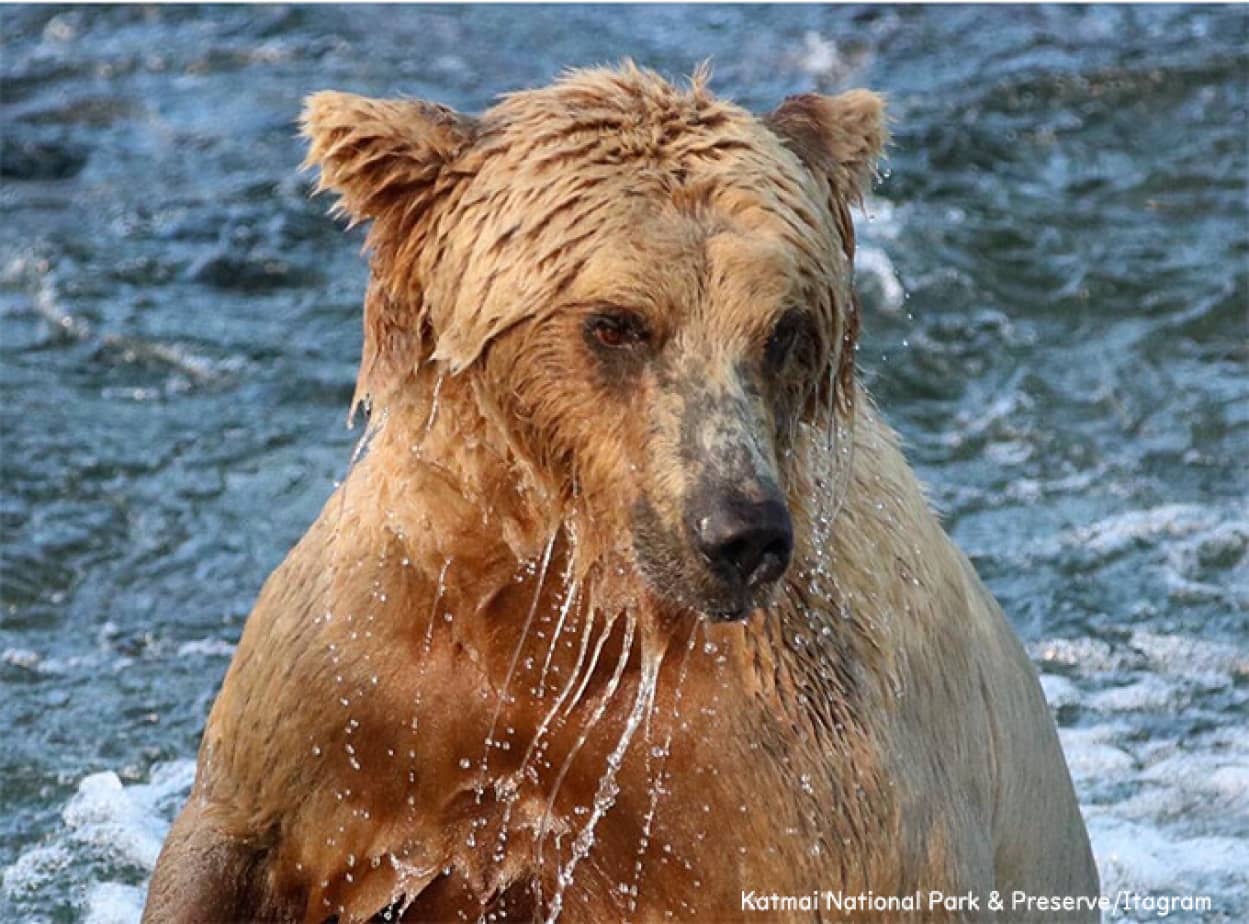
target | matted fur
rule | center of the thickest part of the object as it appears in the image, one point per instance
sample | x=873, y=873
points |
x=464, y=694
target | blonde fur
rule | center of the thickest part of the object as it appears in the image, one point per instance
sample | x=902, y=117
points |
x=459, y=695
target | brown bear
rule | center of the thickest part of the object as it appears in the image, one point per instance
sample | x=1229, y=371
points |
x=630, y=608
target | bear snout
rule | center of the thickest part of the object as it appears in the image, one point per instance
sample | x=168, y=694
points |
x=745, y=537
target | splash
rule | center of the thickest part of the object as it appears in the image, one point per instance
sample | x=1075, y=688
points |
x=411, y=879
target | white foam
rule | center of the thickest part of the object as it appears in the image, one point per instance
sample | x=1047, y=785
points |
x=34, y=868
x=21, y=657
x=1165, y=818
x=1201, y=553
x=116, y=820
x=1166, y=803
x=1123, y=531
x=1092, y=756
x=873, y=265
x=113, y=903
x=1143, y=858
x=1150, y=693
x=109, y=827
x=211, y=647
x=1179, y=656
x=1059, y=691
x=826, y=61
x=819, y=56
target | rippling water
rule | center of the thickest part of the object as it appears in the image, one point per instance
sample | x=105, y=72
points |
x=1056, y=290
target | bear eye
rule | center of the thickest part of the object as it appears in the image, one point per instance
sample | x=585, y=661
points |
x=617, y=330
x=785, y=335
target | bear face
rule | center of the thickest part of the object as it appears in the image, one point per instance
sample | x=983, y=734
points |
x=649, y=290
x=670, y=382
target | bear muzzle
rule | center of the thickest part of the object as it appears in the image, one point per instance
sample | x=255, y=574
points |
x=746, y=538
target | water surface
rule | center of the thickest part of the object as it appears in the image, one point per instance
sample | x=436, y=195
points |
x=1056, y=288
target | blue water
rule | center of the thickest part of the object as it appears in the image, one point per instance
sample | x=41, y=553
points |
x=1056, y=289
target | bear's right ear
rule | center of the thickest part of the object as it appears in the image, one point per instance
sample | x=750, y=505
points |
x=379, y=154
x=385, y=159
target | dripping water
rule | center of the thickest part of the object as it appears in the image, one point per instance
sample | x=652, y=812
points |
x=433, y=405
x=657, y=787
x=508, y=788
x=597, y=714
x=571, y=597
x=439, y=592
x=608, y=789
x=511, y=667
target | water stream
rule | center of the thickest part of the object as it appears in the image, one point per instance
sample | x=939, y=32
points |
x=1055, y=294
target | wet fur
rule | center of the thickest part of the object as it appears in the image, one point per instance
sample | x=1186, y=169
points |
x=426, y=701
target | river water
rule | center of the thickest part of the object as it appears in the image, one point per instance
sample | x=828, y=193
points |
x=1056, y=288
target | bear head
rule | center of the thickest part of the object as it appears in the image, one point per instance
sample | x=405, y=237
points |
x=648, y=288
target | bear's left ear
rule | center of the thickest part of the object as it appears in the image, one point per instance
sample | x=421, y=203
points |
x=840, y=137
x=382, y=156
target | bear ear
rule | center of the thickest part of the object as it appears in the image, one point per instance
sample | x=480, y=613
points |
x=381, y=153
x=840, y=137
x=386, y=159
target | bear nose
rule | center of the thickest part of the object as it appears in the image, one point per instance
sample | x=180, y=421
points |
x=746, y=541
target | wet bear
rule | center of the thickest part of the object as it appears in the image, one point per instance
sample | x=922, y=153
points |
x=631, y=608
